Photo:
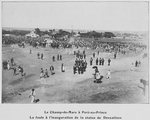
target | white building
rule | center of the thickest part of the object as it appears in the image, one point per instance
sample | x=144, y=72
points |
x=49, y=41
x=46, y=36
x=32, y=35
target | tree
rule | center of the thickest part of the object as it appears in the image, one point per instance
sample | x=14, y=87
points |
x=108, y=34
x=6, y=32
x=16, y=32
x=50, y=31
x=45, y=32
x=38, y=31
x=60, y=30
x=91, y=34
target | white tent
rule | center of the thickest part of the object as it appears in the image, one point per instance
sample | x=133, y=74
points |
x=49, y=41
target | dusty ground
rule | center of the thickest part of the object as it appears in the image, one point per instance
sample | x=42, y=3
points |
x=123, y=87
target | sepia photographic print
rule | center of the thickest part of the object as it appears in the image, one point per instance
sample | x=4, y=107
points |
x=75, y=52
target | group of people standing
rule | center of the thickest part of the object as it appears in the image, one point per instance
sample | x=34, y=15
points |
x=100, y=61
x=10, y=64
x=44, y=74
x=80, y=55
x=80, y=65
x=59, y=57
x=40, y=56
x=137, y=63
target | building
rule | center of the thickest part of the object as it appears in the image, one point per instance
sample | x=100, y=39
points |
x=46, y=36
x=8, y=35
x=48, y=41
x=32, y=35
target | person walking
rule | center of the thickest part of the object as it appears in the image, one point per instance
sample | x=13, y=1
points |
x=8, y=65
x=82, y=69
x=97, y=61
x=21, y=71
x=14, y=70
x=38, y=55
x=32, y=95
x=109, y=62
x=91, y=60
x=79, y=69
x=132, y=67
x=42, y=56
x=115, y=56
x=94, y=55
x=58, y=57
x=62, y=67
x=84, y=52
x=102, y=61
x=85, y=64
x=84, y=56
x=136, y=63
x=53, y=58
x=30, y=51
x=74, y=69
x=12, y=61
x=97, y=52
x=108, y=74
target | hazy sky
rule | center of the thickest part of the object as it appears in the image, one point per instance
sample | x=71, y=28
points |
x=124, y=16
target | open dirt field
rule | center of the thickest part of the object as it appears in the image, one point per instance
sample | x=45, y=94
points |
x=123, y=87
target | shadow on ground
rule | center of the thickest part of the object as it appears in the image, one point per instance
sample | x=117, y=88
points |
x=17, y=81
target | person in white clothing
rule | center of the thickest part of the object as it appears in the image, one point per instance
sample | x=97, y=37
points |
x=8, y=65
x=32, y=95
x=108, y=74
x=42, y=73
x=13, y=47
x=62, y=67
x=132, y=67
x=98, y=76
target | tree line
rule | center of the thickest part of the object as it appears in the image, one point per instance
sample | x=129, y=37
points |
x=60, y=33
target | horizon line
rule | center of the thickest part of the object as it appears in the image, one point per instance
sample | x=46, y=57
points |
x=28, y=28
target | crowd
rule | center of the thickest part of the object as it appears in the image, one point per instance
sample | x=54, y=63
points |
x=44, y=73
x=78, y=42
x=80, y=64
x=10, y=64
